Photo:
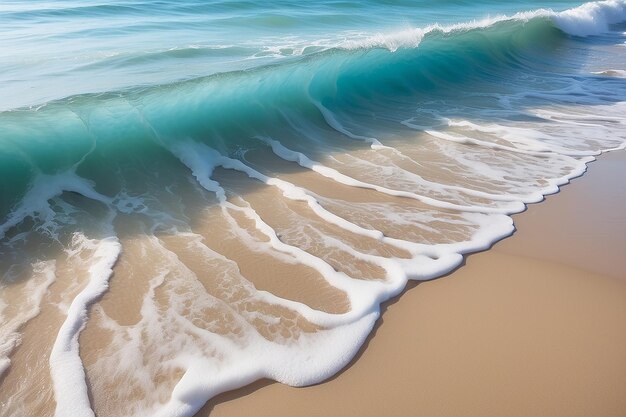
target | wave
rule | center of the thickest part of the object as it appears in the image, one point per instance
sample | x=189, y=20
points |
x=226, y=110
x=175, y=42
x=588, y=19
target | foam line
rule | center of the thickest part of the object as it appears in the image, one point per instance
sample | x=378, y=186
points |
x=336, y=176
x=66, y=367
x=515, y=135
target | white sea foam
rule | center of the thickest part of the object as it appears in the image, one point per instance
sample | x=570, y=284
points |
x=66, y=367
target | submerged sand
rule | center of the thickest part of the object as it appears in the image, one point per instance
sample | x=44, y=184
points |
x=533, y=327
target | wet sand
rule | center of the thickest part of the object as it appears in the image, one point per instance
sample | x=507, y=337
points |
x=533, y=327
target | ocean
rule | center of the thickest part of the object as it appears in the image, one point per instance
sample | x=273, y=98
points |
x=195, y=195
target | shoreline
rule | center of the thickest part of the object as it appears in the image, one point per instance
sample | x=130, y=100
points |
x=532, y=326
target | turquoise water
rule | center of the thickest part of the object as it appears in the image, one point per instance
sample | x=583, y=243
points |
x=395, y=137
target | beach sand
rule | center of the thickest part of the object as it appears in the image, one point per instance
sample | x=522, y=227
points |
x=536, y=326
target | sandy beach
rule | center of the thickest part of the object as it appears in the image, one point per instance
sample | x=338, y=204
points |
x=532, y=327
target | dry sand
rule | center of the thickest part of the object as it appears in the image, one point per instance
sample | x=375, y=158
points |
x=534, y=327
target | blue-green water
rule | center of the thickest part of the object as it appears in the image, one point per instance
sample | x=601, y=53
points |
x=396, y=137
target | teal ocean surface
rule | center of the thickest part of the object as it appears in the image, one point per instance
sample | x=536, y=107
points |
x=207, y=193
